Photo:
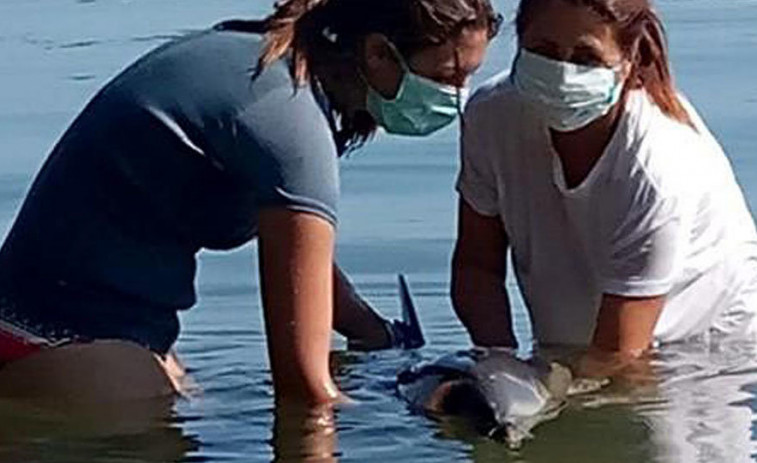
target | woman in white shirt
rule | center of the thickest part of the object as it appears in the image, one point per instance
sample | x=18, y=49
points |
x=622, y=213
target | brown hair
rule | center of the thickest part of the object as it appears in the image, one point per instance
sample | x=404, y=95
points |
x=641, y=35
x=308, y=30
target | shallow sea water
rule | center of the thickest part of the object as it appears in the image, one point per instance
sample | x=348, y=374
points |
x=397, y=215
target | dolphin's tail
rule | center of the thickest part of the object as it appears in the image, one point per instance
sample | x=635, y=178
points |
x=407, y=333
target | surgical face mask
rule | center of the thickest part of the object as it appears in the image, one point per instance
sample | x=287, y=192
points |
x=421, y=107
x=570, y=96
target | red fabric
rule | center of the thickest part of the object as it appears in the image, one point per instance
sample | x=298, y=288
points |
x=13, y=348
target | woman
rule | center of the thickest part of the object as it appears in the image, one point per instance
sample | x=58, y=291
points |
x=622, y=213
x=208, y=142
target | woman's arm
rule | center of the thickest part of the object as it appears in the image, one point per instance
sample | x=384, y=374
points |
x=626, y=324
x=479, y=267
x=624, y=332
x=296, y=256
x=355, y=319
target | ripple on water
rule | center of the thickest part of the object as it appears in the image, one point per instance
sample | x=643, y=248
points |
x=152, y=38
x=80, y=44
x=82, y=77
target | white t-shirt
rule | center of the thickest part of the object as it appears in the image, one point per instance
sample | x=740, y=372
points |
x=659, y=214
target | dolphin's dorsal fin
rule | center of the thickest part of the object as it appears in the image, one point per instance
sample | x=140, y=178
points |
x=412, y=325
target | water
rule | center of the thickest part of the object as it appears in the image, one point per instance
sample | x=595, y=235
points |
x=397, y=214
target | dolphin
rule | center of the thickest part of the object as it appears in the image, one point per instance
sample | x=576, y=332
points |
x=503, y=396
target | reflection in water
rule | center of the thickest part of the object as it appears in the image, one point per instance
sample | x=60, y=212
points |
x=304, y=434
x=709, y=391
x=701, y=409
x=608, y=434
x=126, y=432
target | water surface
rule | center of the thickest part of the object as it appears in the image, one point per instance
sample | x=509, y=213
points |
x=397, y=215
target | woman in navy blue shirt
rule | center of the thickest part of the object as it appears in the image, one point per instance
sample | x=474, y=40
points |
x=206, y=143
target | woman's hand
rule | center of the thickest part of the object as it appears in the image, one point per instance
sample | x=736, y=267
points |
x=296, y=255
x=597, y=363
x=355, y=319
x=624, y=333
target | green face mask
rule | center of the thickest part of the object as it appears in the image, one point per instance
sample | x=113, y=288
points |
x=422, y=106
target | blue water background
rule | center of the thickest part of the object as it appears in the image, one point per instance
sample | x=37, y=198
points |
x=397, y=214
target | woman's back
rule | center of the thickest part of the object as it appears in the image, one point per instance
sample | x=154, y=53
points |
x=174, y=155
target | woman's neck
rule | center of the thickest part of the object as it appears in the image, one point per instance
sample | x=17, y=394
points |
x=580, y=150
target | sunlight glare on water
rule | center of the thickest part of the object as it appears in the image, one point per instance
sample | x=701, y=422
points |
x=397, y=215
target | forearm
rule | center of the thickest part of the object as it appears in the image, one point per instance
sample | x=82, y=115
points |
x=296, y=251
x=353, y=316
x=347, y=302
x=483, y=306
x=626, y=325
x=623, y=335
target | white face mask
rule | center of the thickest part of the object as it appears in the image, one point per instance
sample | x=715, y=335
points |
x=570, y=96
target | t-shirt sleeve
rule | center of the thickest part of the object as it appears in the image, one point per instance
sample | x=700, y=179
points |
x=476, y=180
x=646, y=242
x=284, y=147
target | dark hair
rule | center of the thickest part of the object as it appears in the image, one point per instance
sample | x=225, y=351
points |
x=641, y=35
x=307, y=30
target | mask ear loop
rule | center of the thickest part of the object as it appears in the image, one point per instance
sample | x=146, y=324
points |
x=459, y=93
x=400, y=60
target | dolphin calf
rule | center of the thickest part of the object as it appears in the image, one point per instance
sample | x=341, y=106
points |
x=503, y=396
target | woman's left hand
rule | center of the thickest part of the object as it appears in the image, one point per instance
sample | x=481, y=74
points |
x=624, y=333
x=618, y=366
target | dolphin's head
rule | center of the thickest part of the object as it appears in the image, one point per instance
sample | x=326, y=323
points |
x=465, y=399
x=502, y=396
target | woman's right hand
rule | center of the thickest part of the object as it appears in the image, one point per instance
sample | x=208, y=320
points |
x=296, y=254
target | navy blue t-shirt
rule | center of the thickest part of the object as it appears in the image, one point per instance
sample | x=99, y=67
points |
x=176, y=154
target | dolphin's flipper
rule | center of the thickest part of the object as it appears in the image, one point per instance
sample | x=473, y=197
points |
x=412, y=335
